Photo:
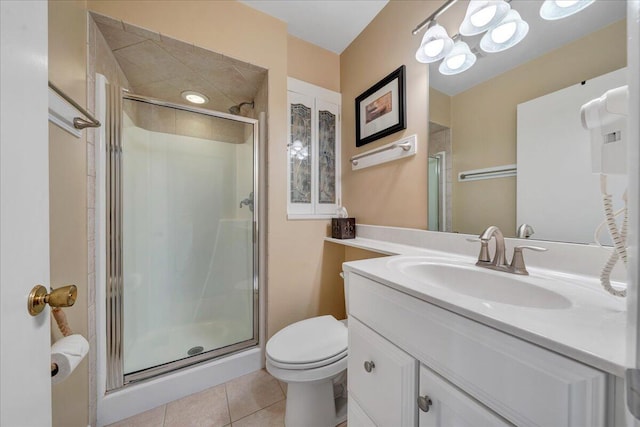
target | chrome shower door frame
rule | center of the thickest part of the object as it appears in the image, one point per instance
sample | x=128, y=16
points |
x=116, y=378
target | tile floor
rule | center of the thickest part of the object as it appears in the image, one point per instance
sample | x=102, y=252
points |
x=256, y=399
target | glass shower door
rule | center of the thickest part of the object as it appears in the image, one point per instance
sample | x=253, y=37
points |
x=188, y=258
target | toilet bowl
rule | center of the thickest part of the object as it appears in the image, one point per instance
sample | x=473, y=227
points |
x=311, y=357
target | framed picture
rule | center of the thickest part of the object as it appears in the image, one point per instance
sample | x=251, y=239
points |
x=380, y=111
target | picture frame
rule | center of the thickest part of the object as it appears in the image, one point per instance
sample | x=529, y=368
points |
x=381, y=109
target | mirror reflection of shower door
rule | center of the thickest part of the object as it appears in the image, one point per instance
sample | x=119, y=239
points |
x=189, y=265
x=439, y=189
x=434, y=193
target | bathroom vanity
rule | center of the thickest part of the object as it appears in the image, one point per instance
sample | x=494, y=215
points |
x=541, y=350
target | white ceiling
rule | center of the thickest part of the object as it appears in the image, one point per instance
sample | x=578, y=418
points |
x=331, y=24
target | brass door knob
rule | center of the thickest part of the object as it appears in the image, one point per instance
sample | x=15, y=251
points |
x=61, y=297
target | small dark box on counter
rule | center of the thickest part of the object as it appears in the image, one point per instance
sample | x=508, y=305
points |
x=343, y=228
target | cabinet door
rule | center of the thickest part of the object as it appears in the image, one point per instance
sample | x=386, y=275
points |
x=451, y=407
x=382, y=378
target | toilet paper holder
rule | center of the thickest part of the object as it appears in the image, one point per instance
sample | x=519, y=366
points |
x=61, y=297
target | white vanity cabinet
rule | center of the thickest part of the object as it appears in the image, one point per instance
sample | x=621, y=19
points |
x=471, y=373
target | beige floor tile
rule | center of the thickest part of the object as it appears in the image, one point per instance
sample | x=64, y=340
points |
x=252, y=392
x=283, y=386
x=272, y=416
x=152, y=418
x=207, y=408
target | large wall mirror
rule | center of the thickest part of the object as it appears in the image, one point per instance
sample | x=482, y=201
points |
x=473, y=118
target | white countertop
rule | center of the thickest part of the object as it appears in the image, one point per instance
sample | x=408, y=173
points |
x=592, y=330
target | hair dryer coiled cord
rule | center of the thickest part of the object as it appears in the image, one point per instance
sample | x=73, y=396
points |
x=619, y=238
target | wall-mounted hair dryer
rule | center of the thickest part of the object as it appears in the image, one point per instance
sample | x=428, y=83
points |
x=606, y=118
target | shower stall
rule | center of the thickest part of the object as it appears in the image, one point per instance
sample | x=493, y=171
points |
x=180, y=238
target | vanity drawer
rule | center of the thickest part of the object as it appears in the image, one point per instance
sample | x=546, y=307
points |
x=524, y=383
x=385, y=388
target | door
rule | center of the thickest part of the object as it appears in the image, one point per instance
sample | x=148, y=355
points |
x=185, y=220
x=25, y=377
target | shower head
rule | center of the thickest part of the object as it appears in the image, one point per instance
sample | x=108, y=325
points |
x=236, y=108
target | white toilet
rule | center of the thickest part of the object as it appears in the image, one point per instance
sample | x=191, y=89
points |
x=311, y=357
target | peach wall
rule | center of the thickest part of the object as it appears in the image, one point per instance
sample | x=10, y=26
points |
x=313, y=64
x=226, y=27
x=394, y=193
x=314, y=285
x=356, y=254
x=68, y=200
x=439, y=108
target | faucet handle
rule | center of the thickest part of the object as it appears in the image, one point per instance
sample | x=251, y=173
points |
x=483, y=256
x=517, y=263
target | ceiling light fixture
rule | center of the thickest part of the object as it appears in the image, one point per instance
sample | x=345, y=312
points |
x=460, y=59
x=504, y=29
x=436, y=44
x=194, y=97
x=552, y=10
x=482, y=15
x=508, y=33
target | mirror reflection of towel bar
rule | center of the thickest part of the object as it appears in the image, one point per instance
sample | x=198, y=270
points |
x=494, y=172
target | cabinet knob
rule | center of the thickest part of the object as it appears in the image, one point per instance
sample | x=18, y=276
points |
x=369, y=365
x=424, y=402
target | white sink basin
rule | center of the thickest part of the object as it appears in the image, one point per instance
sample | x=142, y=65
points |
x=484, y=284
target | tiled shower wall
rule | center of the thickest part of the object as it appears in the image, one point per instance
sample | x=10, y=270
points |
x=99, y=60
x=177, y=122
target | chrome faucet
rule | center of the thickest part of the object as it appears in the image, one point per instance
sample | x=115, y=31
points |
x=517, y=263
x=499, y=261
x=524, y=231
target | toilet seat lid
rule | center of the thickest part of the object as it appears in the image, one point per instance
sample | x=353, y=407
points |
x=308, y=341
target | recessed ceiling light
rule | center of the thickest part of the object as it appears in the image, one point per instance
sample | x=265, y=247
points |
x=194, y=97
